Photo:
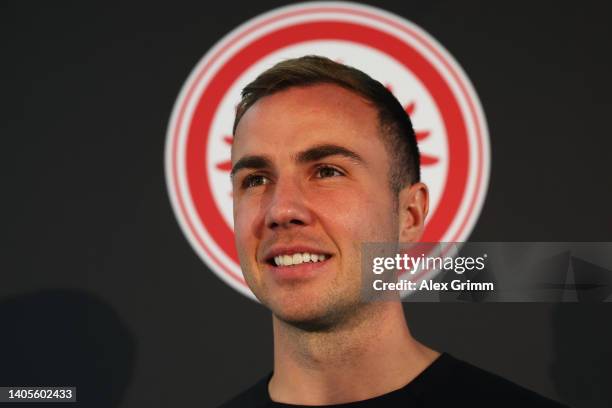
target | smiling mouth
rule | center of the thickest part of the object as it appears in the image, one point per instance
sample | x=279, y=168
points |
x=297, y=259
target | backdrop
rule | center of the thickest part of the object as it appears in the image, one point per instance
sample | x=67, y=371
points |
x=99, y=287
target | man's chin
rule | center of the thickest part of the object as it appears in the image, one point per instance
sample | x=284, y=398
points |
x=311, y=317
x=311, y=307
x=309, y=323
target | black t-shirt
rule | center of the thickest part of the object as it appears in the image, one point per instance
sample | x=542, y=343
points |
x=447, y=382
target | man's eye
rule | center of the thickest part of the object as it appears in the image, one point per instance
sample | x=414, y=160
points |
x=254, y=180
x=327, y=171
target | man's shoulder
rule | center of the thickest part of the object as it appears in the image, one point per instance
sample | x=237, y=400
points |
x=256, y=396
x=465, y=382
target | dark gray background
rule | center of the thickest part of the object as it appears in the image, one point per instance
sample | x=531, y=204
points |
x=98, y=286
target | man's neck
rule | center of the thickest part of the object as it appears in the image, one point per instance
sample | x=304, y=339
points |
x=370, y=355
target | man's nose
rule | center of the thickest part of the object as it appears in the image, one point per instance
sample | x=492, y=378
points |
x=288, y=207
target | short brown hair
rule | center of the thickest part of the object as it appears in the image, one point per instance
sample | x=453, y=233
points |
x=395, y=125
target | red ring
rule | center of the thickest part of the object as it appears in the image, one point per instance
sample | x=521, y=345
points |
x=258, y=49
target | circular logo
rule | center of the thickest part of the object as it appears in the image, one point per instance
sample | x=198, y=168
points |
x=446, y=114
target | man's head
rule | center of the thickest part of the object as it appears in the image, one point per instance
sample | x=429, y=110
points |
x=315, y=174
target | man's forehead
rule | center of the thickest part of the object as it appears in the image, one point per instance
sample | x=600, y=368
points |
x=305, y=112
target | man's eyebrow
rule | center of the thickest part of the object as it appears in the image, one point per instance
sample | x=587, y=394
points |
x=307, y=156
x=325, y=150
x=250, y=162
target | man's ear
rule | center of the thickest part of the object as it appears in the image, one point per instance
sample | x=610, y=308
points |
x=413, y=208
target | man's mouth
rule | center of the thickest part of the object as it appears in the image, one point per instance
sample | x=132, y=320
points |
x=296, y=263
x=297, y=259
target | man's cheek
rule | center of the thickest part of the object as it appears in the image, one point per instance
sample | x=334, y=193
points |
x=241, y=227
x=363, y=223
x=242, y=246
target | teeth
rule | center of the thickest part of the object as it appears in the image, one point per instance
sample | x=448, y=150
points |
x=299, y=258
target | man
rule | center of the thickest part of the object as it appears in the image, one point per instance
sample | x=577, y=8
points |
x=324, y=159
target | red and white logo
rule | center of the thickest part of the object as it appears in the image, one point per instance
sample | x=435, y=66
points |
x=444, y=108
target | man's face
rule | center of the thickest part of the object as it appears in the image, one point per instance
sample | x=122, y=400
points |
x=310, y=178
